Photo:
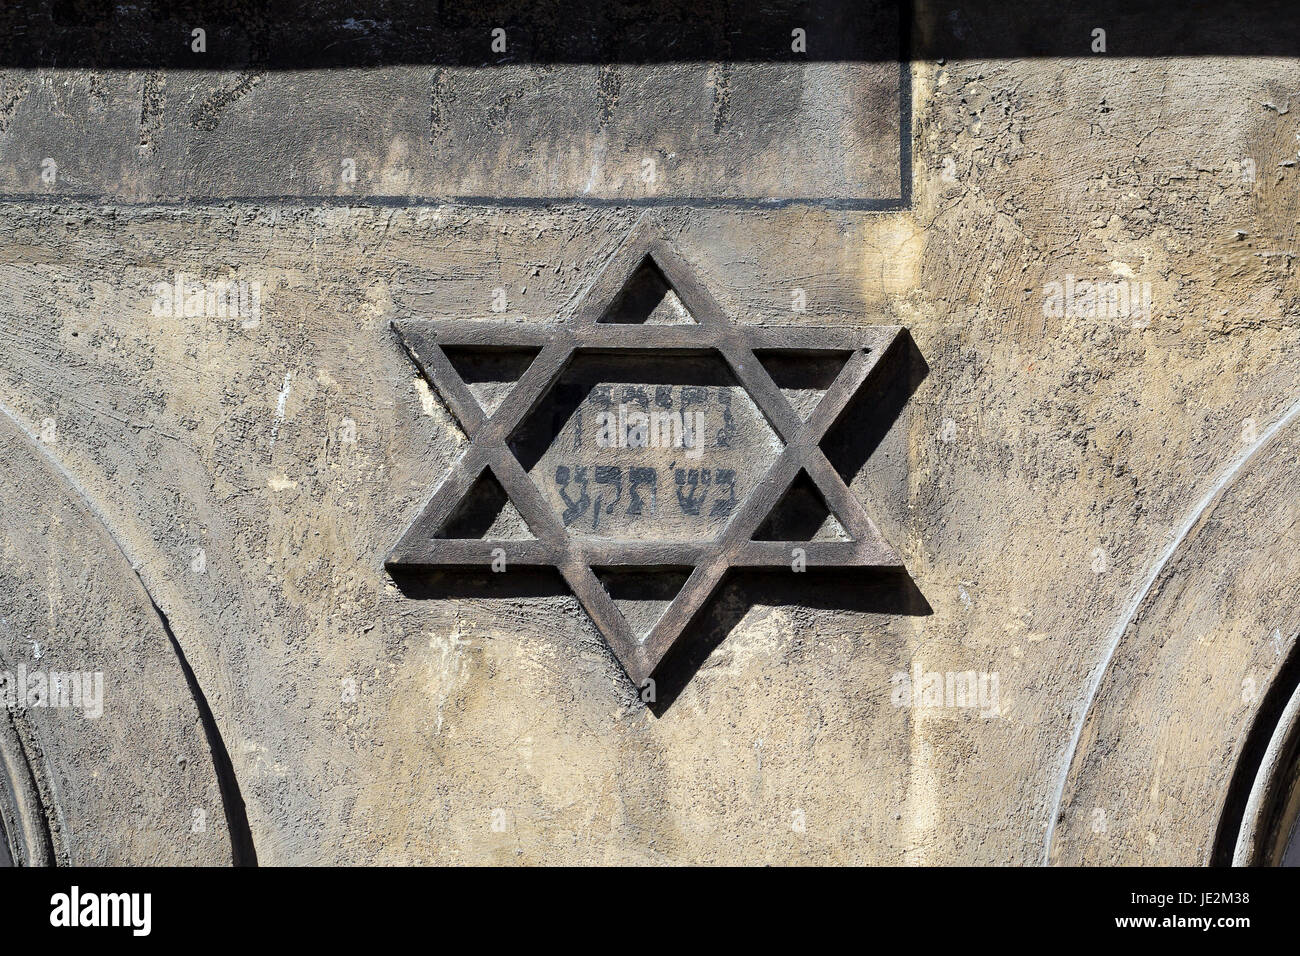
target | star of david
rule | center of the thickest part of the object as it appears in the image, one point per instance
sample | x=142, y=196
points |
x=432, y=542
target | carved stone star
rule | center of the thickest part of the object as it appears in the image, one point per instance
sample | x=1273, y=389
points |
x=426, y=546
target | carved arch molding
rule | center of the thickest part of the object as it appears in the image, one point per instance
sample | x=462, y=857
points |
x=1187, y=751
x=137, y=781
x=1187, y=748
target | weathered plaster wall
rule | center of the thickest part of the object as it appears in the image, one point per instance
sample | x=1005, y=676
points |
x=1034, y=485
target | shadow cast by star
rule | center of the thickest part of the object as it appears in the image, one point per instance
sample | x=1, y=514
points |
x=855, y=435
x=850, y=590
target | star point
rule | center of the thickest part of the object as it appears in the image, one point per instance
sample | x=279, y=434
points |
x=798, y=512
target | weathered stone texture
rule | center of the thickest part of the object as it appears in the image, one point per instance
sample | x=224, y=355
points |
x=1050, y=485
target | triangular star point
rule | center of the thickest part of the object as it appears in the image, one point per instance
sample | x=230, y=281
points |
x=523, y=361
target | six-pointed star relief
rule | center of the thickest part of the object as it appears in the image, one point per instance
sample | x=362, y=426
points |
x=432, y=541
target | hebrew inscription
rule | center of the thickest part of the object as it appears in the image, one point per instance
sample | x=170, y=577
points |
x=643, y=448
x=638, y=457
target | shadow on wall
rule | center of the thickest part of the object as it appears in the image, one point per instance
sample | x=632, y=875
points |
x=315, y=34
x=6, y=857
x=1267, y=834
x=848, y=445
x=866, y=591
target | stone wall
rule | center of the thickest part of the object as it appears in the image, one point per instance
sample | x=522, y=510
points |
x=1092, y=503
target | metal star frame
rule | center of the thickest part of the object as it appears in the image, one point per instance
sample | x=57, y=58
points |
x=420, y=547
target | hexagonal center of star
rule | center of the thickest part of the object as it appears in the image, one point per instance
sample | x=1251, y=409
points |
x=646, y=447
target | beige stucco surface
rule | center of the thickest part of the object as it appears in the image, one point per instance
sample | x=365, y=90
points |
x=1061, y=490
